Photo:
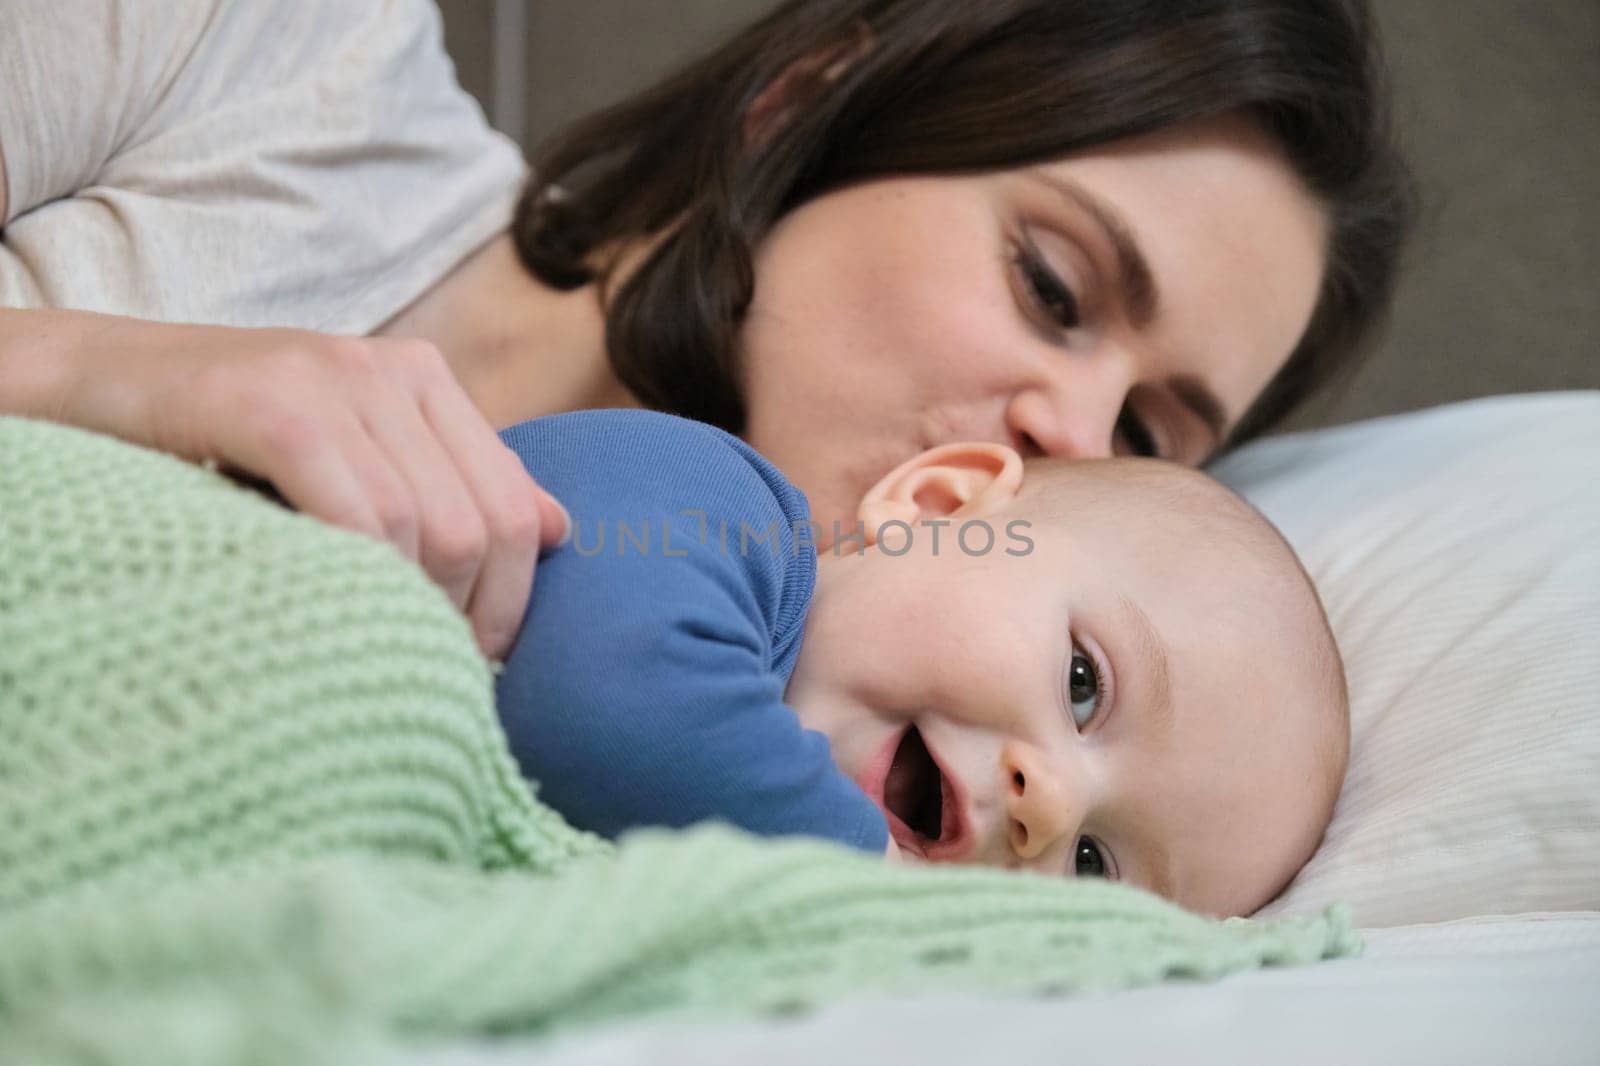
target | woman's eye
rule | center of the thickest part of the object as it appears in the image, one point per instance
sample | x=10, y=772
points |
x=1083, y=687
x=1136, y=435
x=1087, y=860
x=1052, y=297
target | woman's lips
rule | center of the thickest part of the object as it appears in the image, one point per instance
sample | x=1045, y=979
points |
x=955, y=839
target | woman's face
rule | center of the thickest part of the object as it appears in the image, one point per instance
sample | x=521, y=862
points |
x=898, y=314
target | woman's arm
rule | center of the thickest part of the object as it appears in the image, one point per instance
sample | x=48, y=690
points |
x=371, y=434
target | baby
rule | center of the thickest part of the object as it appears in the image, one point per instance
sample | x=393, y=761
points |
x=1112, y=669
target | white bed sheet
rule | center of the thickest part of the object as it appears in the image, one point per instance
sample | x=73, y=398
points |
x=1495, y=991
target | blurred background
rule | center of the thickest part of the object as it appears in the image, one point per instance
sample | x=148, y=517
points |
x=1498, y=102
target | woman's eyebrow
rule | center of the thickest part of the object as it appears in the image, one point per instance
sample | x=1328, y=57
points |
x=1139, y=293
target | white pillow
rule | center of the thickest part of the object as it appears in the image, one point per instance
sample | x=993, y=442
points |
x=1458, y=553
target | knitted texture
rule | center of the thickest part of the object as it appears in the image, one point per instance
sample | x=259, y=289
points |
x=189, y=674
x=255, y=806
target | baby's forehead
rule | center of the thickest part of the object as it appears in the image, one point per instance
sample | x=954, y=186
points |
x=1137, y=495
x=1172, y=533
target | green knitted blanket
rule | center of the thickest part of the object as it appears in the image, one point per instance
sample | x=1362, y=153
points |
x=255, y=806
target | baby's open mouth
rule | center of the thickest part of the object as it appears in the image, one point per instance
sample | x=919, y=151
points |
x=914, y=788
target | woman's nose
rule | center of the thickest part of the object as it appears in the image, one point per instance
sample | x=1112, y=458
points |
x=1073, y=415
x=1039, y=806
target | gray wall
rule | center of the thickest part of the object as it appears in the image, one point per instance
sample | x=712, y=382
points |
x=1499, y=101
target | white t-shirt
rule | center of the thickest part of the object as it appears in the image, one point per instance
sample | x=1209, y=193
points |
x=309, y=163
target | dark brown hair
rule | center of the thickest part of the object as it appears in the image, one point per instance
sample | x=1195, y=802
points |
x=953, y=86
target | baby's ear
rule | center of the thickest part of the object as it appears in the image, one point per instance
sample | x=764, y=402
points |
x=953, y=481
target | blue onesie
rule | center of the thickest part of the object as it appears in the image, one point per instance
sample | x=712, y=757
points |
x=646, y=685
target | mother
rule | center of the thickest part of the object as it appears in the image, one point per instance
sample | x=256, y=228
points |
x=856, y=229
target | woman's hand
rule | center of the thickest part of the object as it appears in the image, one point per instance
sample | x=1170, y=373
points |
x=372, y=434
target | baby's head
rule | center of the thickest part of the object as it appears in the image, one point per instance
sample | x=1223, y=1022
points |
x=1119, y=669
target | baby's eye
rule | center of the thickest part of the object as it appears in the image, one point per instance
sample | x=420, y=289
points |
x=1083, y=687
x=1087, y=860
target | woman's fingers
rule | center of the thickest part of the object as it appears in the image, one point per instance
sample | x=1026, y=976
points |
x=311, y=459
x=555, y=524
x=451, y=540
x=519, y=518
x=375, y=435
x=436, y=480
x=500, y=598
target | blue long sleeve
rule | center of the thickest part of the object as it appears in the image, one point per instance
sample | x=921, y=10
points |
x=646, y=685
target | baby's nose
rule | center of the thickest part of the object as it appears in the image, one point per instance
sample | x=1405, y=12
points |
x=1038, y=803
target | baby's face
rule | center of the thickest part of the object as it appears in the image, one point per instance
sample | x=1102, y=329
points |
x=1138, y=696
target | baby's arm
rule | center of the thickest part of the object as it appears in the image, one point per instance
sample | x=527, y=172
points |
x=642, y=689
x=659, y=708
